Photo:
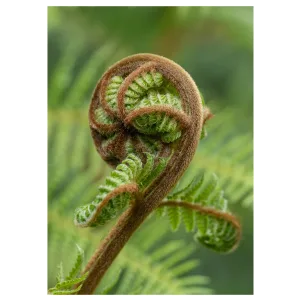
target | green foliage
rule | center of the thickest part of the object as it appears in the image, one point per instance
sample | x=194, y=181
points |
x=129, y=171
x=215, y=228
x=71, y=87
x=66, y=286
x=158, y=274
x=112, y=285
x=153, y=89
x=87, y=169
x=214, y=44
x=74, y=175
x=228, y=152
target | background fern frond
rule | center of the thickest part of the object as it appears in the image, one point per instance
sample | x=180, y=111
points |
x=229, y=153
x=163, y=266
x=60, y=273
x=115, y=278
x=144, y=278
x=66, y=286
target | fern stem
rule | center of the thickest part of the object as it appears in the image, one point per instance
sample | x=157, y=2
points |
x=209, y=211
x=145, y=71
x=109, y=238
x=135, y=216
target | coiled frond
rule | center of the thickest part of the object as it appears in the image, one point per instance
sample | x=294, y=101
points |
x=139, y=106
x=146, y=118
x=125, y=182
x=201, y=206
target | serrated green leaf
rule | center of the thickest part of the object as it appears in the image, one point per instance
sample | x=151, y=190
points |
x=190, y=190
x=188, y=218
x=156, y=172
x=71, y=282
x=78, y=264
x=67, y=292
x=174, y=217
x=207, y=189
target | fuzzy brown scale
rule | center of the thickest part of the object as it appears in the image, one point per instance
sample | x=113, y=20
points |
x=192, y=118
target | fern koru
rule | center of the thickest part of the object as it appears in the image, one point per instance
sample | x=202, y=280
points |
x=146, y=119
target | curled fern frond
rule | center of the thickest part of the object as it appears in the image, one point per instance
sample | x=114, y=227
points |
x=202, y=207
x=146, y=119
x=123, y=185
x=73, y=282
x=142, y=104
x=139, y=106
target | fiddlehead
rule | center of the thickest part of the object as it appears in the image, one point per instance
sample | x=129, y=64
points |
x=139, y=111
x=146, y=117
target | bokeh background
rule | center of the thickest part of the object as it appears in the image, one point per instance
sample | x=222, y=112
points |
x=215, y=45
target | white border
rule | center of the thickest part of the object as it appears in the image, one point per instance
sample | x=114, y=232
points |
x=44, y=137
x=43, y=144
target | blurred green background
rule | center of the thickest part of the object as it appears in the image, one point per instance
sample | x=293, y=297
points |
x=215, y=45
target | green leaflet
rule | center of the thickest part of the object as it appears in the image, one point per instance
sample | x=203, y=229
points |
x=146, y=90
x=216, y=230
x=189, y=190
x=66, y=292
x=65, y=286
x=158, y=122
x=78, y=264
x=130, y=171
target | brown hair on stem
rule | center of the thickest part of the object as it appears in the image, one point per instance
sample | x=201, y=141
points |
x=190, y=118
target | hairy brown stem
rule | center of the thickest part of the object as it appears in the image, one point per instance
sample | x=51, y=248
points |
x=183, y=152
x=109, y=238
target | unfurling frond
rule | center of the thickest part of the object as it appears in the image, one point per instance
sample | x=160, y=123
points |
x=128, y=179
x=202, y=208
